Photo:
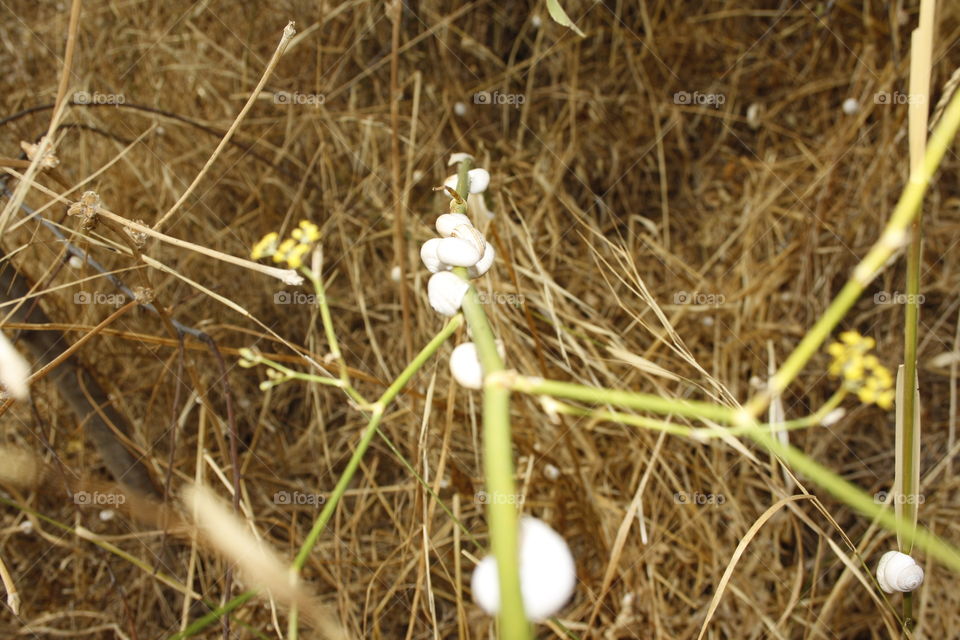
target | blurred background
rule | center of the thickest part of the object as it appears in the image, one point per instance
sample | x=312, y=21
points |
x=675, y=199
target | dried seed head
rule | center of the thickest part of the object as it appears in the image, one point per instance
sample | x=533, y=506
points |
x=87, y=208
x=47, y=160
x=143, y=295
x=139, y=238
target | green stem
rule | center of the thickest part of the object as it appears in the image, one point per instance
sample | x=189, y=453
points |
x=911, y=320
x=891, y=240
x=696, y=433
x=858, y=499
x=497, y=453
x=330, y=505
x=645, y=401
x=317, y=280
x=368, y=434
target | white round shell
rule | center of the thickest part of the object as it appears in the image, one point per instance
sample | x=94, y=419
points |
x=483, y=265
x=850, y=106
x=898, y=572
x=428, y=254
x=447, y=222
x=472, y=235
x=479, y=180
x=547, y=573
x=457, y=252
x=465, y=366
x=446, y=290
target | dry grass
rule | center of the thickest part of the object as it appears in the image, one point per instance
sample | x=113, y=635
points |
x=611, y=203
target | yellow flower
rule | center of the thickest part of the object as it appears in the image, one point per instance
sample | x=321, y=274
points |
x=307, y=233
x=862, y=372
x=284, y=249
x=295, y=256
x=293, y=249
x=265, y=246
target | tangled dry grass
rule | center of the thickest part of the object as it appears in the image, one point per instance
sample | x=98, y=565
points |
x=647, y=242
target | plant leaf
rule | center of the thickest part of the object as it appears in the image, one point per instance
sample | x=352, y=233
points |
x=560, y=17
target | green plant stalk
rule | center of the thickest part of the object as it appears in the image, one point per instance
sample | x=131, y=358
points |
x=858, y=499
x=645, y=401
x=696, y=433
x=760, y=433
x=891, y=240
x=379, y=407
x=497, y=452
x=428, y=488
x=553, y=406
x=317, y=280
x=498, y=471
x=202, y=623
x=911, y=320
x=292, y=374
x=908, y=454
x=370, y=431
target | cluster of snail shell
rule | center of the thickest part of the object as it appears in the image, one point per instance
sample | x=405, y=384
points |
x=898, y=572
x=460, y=245
x=547, y=570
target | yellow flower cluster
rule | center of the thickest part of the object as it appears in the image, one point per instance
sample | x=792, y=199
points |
x=861, y=371
x=292, y=250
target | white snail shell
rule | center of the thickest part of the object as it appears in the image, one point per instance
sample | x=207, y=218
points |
x=898, y=572
x=447, y=222
x=428, y=254
x=14, y=370
x=446, y=291
x=472, y=235
x=465, y=366
x=547, y=573
x=457, y=252
x=479, y=180
x=484, y=264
